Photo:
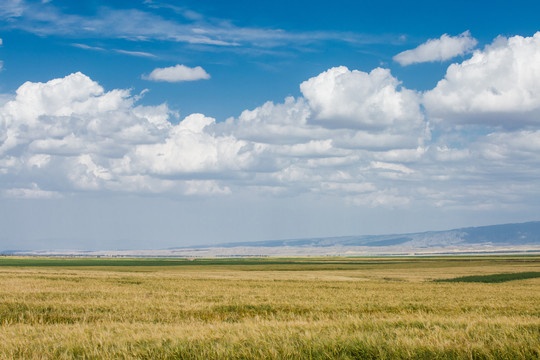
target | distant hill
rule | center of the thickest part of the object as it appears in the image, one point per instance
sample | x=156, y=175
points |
x=498, y=235
x=521, y=238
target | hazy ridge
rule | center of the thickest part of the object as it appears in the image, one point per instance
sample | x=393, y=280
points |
x=504, y=238
x=505, y=234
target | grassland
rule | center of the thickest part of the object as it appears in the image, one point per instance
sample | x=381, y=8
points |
x=495, y=278
x=342, y=308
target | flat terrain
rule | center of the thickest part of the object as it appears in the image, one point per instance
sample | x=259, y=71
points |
x=320, y=308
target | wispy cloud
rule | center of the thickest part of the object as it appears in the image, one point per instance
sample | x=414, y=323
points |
x=140, y=25
x=11, y=9
x=88, y=47
x=444, y=48
x=135, y=53
x=119, y=51
x=32, y=192
x=187, y=13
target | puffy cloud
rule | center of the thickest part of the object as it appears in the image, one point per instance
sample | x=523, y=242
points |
x=190, y=148
x=70, y=134
x=73, y=115
x=499, y=85
x=353, y=135
x=444, y=48
x=341, y=98
x=177, y=73
x=275, y=123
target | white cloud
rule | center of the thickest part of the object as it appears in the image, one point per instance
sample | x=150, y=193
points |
x=70, y=134
x=392, y=167
x=444, y=48
x=354, y=135
x=177, y=73
x=204, y=187
x=12, y=8
x=341, y=98
x=189, y=148
x=135, y=53
x=516, y=147
x=119, y=51
x=46, y=19
x=88, y=47
x=387, y=198
x=275, y=123
x=498, y=85
x=33, y=192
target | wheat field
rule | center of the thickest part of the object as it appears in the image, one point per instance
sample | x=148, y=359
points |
x=325, y=308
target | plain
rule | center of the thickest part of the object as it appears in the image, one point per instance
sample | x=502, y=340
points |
x=288, y=308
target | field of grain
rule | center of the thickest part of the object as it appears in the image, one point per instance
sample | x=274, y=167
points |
x=333, y=308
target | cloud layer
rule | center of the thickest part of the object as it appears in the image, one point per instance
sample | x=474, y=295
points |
x=444, y=48
x=499, y=85
x=44, y=19
x=356, y=136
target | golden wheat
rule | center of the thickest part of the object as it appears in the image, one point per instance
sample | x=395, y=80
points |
x=287, y=311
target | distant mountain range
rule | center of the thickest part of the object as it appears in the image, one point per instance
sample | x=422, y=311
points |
x=495, y=239
x=497, y=235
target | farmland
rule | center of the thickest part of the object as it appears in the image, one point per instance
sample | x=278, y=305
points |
x=367, y=308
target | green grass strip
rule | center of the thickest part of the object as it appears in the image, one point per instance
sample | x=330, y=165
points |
x=494, y=278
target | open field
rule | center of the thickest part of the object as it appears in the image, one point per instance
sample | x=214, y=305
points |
x=319, y=308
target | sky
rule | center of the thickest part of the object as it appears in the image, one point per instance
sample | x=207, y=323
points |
x=151, y=124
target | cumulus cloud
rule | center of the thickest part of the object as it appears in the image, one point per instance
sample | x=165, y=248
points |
x=352, y=135
x=177, y=73
x=69, y=131
x=498, y=85
x=190, y=148
x=356, y=99
x=444, y=48
x=70, y=135
x=284, y=123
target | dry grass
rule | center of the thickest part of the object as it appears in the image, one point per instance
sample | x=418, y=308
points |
x=362, y=310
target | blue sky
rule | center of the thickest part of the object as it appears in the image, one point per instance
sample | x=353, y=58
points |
x=150, y=124
x=256, y=70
